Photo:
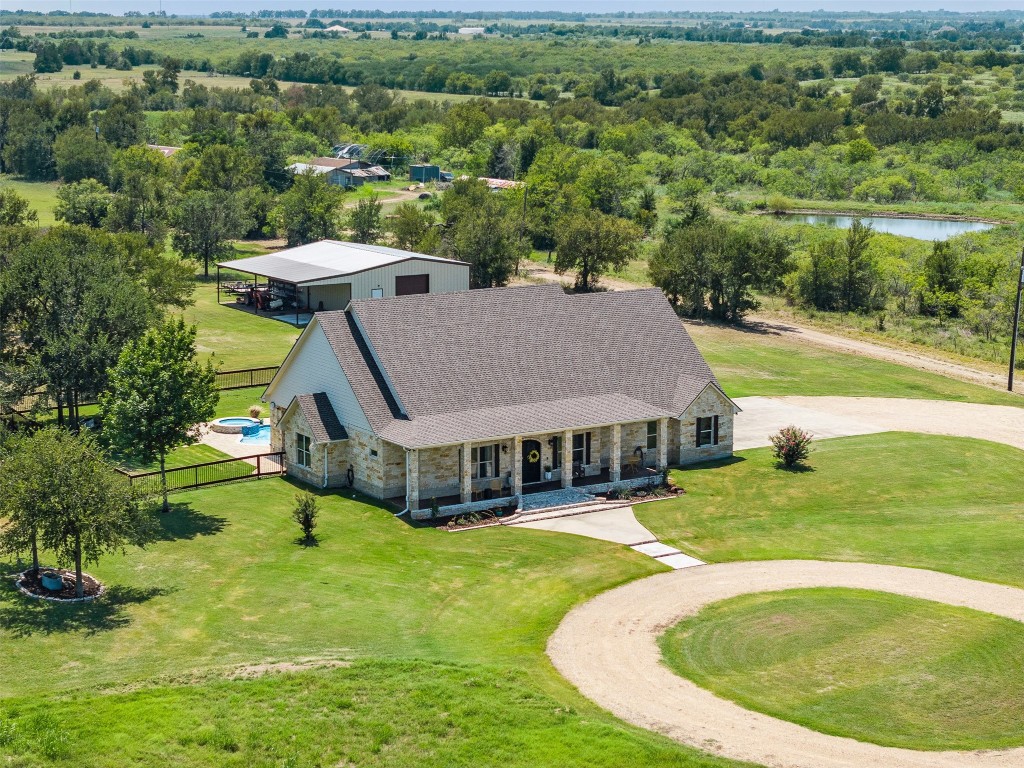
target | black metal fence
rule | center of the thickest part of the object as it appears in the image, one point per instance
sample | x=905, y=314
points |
x=211, y=473
x=243, y=378
x=246, y=377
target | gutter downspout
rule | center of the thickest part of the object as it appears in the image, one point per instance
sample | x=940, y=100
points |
x=325, y=464
x=399, y=514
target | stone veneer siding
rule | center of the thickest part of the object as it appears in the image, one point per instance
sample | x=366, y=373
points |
x=711, y=402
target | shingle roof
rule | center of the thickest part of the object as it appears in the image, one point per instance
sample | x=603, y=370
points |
x=483, y=363
x=323, y=421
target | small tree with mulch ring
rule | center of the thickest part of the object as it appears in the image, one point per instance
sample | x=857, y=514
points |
x=791, y=445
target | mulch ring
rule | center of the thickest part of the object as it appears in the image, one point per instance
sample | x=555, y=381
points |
x=31, y=585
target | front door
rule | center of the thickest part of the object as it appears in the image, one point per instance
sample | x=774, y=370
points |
x=531, y=461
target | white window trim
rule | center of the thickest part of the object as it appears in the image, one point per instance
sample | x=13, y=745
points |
x=301, y=452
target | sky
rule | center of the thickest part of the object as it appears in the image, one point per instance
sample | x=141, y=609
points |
x=206, y=6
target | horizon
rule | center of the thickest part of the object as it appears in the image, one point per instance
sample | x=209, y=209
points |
x=197, y=8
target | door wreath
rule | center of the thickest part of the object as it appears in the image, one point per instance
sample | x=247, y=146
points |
x=533, y=456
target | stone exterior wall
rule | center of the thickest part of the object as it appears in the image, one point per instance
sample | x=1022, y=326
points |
x=711, y=402
x=439, y=472
x=290, y=428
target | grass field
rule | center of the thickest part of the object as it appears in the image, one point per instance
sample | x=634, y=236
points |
x=447, y=633
x=949, y=504
x=41, y=196
x=871, y=666
x=748, y=363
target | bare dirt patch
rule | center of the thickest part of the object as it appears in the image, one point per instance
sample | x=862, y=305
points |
x=253, y=671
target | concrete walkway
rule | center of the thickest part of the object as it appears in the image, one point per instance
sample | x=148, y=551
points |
x=619, y=525
x=828, y=417
x=230, y=444
x=608, y=649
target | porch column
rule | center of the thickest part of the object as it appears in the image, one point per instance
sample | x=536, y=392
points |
x=615, y=457
x=567, y=459
x=517, y=466
x=412, y=479
x=662, y=444
x=467, y=473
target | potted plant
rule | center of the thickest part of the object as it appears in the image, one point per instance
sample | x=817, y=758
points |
x=547, y=471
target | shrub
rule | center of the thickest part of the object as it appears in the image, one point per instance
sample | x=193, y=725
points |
x=255, y=411
x=791, y=445
x=305, y=513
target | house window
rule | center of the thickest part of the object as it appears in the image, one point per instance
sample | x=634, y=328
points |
x=303, y=454
x=707, y=430
x=373, y=453
x=484, y=461
x=652, y=435
x=581, y=448
x=376, y=293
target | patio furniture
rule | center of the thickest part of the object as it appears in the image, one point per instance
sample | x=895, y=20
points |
x=632, y=465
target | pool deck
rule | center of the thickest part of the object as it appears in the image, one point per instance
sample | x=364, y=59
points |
x=230, y=444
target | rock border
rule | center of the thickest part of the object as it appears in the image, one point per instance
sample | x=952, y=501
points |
x=62, y=600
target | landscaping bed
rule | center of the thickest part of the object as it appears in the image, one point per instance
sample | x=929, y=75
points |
x=32, y=584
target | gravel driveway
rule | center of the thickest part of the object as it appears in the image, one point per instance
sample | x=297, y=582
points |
x=845, y=416
x=608, y=649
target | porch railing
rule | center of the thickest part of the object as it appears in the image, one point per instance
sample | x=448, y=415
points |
x=210, y=473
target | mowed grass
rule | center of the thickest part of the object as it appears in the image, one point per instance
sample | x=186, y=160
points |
x=872, y=666
x=446, y=632
x=748, y=363
x=41, y=196
x=234, y=338
x=944, y=503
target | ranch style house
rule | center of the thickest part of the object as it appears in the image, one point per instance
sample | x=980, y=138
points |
x=458, y=401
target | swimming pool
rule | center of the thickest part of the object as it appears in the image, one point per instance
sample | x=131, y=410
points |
x=258, y=437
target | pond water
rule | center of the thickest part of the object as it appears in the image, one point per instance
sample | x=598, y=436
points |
x=921, y=229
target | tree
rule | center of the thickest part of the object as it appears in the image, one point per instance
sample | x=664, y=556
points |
x=309, y=210
x=15, y=210
x=857, y=267
x=80, y=155
x=497, y=83
x=480, y=229
x=712, y=268
x=365, y=220
x=47, y=59
x=158, y=395
x=123, y=123
x=58, y=492
x=84, y=202
x=791, y=445
x=592, y=243
x=278, y=30
x=462, y=125
x=141, y=180
x=305, y=514
x=204, y=222
x=72, y=297
x=413, y=229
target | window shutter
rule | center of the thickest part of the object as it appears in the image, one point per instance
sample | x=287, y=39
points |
x=497, y=450
x=587, y=450
x=715, y=442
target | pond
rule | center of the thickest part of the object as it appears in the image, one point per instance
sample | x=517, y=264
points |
x=920, y=229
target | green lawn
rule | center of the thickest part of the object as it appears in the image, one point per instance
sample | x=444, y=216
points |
x=945, y=503
x=41, y=196
x=751, y=363
x=180, y=457
x=871, y=666
x=235, y=338
x=447, y=632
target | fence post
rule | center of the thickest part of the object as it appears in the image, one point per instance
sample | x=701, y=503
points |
x=197, y=476
x=259, y=468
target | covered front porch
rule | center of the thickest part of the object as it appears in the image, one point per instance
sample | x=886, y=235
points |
x=476, y=475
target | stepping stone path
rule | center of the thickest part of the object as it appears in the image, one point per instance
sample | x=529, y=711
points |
x=570, y=510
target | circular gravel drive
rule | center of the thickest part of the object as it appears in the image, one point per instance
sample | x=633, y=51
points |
x=608, y=649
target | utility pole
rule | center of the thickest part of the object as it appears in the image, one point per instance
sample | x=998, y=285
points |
x=1016, y=323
